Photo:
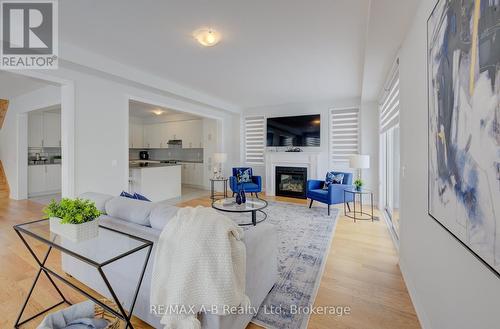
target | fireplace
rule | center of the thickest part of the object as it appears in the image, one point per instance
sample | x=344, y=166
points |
x=291, y=182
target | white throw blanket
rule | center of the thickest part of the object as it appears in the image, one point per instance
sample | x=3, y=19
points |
x=200, y=265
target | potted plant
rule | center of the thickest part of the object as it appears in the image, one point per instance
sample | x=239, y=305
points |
x=358, y=183
x=75, y=219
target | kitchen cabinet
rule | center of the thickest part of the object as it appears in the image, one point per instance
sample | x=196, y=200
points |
x=157, y=135
x=136, y=135
x=36, y=179
x=53, y=178
x=35, y=133
x=192, y=134
x=51, y=129
x=172, y=130
x=153, y=135
x=192, y=174
x=44, y=129
x=44, y=179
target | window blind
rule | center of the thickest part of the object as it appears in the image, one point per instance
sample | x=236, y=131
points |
x=254, y=139
x=344, y=136
x=389, y=103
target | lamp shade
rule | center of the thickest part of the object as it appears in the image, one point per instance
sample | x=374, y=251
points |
x=359, y=161
x=220, y=157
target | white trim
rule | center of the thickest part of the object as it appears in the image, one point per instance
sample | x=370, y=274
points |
x=67, y=101
x=419, y=308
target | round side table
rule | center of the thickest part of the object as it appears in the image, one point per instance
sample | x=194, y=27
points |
x=214, y=195
x=358, y=215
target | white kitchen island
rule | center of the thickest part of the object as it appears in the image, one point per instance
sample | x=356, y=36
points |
x=157, y=182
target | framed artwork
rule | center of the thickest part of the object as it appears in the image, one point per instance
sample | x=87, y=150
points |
x=463, y=59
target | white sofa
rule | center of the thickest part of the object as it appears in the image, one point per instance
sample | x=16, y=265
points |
x=145, y=220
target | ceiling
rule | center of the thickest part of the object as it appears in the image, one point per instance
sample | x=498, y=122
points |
x=13, y=85
x=272, y=52
x=147, y=111
x=388, y=23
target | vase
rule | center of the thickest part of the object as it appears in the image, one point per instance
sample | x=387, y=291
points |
x=75, y=232
x=243, y=196
x=358, y=188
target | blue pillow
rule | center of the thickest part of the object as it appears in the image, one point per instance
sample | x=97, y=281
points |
x=332, y=178
x=140, y=197
x=127, y=195
x=244, y=175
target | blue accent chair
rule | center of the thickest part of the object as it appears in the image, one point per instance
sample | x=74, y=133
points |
x=334, y=194
x=251, y=187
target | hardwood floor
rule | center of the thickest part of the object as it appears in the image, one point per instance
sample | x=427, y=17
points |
x=361, y=272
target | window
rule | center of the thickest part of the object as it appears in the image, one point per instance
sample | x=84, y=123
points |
x=390, y=148
x=254, y=139
x=389, y=106
x=344, y=136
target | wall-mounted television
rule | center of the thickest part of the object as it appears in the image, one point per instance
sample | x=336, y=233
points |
x=302, y=130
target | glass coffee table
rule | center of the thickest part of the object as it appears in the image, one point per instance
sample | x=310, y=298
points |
x=253, y=205
x=118, y=245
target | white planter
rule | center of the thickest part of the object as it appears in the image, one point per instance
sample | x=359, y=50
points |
x=75, y=232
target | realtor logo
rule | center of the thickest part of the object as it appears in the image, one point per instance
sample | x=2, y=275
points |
x=29, y=34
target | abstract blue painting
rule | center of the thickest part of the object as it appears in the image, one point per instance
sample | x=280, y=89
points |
x=463, y=56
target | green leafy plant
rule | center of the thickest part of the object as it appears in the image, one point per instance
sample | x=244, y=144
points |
x=77, y=211
x=358, y=183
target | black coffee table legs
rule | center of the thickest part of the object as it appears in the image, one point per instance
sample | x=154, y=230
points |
x=50, y=274
x=254, y=218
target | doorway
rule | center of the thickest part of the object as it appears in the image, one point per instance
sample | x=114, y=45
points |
x=176, y=146
x=44, y=155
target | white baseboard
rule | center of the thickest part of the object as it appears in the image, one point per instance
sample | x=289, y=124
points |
x=34, y=195
x=419, y=308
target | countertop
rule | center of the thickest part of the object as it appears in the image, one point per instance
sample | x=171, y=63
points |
x=163, y=161
x=152, y=165
x=44, y=164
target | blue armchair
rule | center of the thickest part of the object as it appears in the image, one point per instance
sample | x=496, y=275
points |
x=333, y=195
x=255, y=186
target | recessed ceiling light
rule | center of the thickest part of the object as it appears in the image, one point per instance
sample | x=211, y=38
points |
x=158, y=112
x=207, y=37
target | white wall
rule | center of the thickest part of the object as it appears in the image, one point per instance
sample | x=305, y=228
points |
x=369, y=132
x=11, y=147
x=450, y=288
x=101, y=106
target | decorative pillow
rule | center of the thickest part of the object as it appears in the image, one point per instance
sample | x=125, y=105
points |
x=98, y=198
x=140, y=197
x=130, y=210
x=244, y=175
x=332, y=178
x=127, y=195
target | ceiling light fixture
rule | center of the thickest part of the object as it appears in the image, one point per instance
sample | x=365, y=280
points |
x=207, y=37
x=158, y=112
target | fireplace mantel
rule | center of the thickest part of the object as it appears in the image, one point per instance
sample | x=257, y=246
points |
x=307, y=160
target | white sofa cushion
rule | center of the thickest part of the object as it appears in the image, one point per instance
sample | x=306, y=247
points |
x=161, y=215
x=99, y=199
x=130, y=210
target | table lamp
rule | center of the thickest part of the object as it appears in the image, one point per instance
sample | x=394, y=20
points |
x=219, y=159
x=359, y=162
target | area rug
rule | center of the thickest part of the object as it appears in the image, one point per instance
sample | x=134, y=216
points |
x=304, y=236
